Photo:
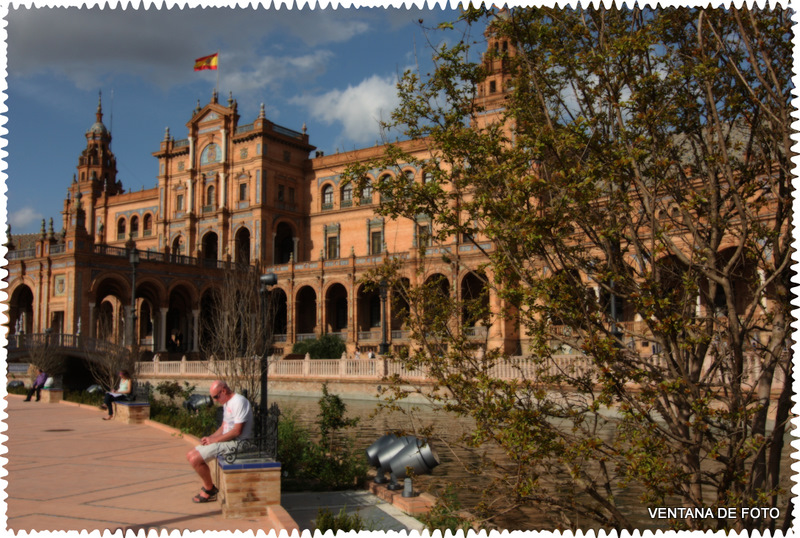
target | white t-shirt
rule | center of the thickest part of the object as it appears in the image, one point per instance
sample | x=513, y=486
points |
x=238, y=411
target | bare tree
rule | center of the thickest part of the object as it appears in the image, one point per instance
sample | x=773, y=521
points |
x=43, y=353
x=235, y=336
x=106, y=360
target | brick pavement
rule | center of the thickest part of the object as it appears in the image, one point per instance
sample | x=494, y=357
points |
x=70, y=470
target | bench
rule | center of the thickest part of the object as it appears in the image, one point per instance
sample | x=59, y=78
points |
x=137, y=409
x=250, y=485
x=248, y=488
x=51, y=395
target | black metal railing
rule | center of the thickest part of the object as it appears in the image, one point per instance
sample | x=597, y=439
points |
x=264, y=444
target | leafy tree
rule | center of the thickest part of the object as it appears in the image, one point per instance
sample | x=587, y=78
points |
x=634, y=186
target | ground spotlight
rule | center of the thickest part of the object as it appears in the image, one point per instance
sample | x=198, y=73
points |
x=399, y=454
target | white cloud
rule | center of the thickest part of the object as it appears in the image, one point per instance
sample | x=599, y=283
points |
x=269, y=71
x=24, y=219
x=358, y=108
x=87, y=46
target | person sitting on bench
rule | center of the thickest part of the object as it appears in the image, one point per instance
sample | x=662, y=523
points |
x=237, y=424
x=121, y=395
x=38, y=383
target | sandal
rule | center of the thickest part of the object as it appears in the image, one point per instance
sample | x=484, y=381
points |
x=109, y=417
x=212, y=495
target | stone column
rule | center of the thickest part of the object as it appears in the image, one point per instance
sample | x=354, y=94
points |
x=195, y=330
x=162, y=333
x=189, y=196
x=191, y=153
x=224, y=145
x=92, y=321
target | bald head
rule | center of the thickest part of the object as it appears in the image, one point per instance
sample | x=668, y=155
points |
x=220, y=391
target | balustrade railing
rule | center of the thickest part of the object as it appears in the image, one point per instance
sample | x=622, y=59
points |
x=513, y=368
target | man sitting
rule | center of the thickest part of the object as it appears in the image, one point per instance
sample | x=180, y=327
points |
x=237, y=424
x=37, y=386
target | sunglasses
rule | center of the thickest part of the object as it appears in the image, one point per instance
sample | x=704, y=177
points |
x=217, y=395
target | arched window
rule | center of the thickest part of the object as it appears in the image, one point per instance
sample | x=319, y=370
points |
x=211, y=196
x=148, y=225
x=135, y=226
x=366, y=193
x=327, y=197
x=121, y=228
x=347, y=195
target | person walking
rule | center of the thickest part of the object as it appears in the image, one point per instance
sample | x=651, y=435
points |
x=237, y=424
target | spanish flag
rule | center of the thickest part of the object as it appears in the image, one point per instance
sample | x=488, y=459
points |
x=206, y=62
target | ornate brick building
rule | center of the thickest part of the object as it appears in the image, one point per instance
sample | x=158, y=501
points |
x=229, y=192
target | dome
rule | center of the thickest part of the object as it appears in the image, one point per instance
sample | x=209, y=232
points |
x=98, y=128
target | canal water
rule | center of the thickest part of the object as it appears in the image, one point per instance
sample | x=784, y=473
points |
x=455, y=459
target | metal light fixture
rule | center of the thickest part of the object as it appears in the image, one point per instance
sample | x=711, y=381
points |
x=398, y=454
x=265, y=284
x=384, y=291
x=133, y=257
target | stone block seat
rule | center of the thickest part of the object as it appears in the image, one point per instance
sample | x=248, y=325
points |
x=134, y=411
x=249, y=487
x=52, y=395
x=131, y=412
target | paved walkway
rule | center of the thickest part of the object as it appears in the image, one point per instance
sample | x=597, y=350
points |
x=69, y=470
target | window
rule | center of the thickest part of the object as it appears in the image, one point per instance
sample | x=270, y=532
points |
x=211, y=196
x=148, y=225
x=492, y=86
x=243, y=192
x=376, y=242
x=327, y=197
x=424, y=235
x=134, y=226
x=258, y=149
x=179, y=203
x=121, y=228
x=347, y=195
x=427, y=177
x=280, y=193
x=366, y=193
x=291, y=195
x=333, y=247
x=287, y=156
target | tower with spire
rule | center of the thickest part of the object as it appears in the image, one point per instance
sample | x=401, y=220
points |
x=97, y=170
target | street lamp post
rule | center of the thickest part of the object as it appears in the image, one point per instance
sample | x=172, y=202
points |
x=384, y=292
x=265, y=283
x=133, y=257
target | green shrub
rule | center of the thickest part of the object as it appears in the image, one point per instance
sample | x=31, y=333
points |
x=198, y=423
x=331, y=417
x=173, y=390
x=344, y=468
x=445, y=514
x=327, y=346
x=18, y=390
x=293, y=444
x=83, y=397
x=343, y=522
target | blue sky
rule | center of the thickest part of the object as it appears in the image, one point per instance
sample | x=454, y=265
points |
x=334, y=70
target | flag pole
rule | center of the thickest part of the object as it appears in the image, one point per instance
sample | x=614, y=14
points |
x=217, y=90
